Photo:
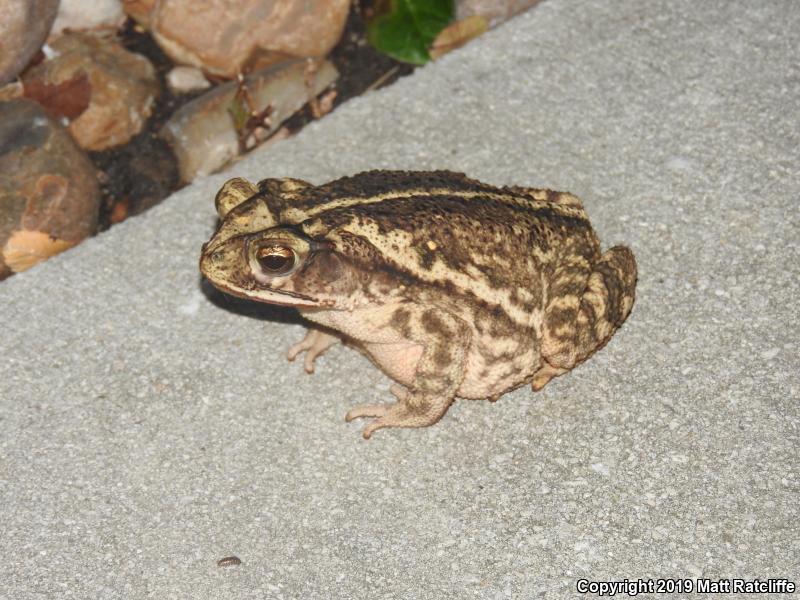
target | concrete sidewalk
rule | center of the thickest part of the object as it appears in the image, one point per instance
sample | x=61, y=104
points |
x=149, y=427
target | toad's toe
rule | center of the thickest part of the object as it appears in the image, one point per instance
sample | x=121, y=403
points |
x=367, y=410
x=315, y=343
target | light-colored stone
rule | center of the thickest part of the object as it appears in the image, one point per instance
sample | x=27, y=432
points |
x=224, y=42
x=181, y=80
x=203, y=134
x=24, y=25
x=82, y=15
x=118, y=87
x=49, y=195
x=11, y=90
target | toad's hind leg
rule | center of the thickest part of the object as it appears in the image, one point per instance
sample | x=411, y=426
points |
x=587, y=306
x=408, y=411
x=437, y=376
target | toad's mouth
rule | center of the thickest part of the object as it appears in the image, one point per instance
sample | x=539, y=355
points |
x=270, y=296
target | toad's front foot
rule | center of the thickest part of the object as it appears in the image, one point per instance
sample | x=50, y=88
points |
x=314, y=344
x=410, y=410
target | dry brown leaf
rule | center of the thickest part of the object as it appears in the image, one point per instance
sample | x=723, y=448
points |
x=457, y=34
x=120, y=211
x=26, y=248
x=323, y=105
x=67, y=99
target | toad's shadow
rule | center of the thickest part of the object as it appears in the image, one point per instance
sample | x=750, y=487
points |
x=250, y=308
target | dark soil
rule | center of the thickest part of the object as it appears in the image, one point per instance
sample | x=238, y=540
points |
x=141, y=173
x=360, y=67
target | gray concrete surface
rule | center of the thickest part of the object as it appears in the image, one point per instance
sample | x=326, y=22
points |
x=150, y=427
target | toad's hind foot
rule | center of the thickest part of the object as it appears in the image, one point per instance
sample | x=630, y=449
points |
x=410, y=410
x=543, y=376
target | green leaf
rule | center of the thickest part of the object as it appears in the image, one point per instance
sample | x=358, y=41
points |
x=408, y=30
x=238, y=112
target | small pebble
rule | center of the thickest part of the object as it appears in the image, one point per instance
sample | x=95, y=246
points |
x=229, y=561
x=186, y=79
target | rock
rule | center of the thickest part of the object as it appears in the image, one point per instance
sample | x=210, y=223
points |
x=204, y=133
x=12, y=90
x=24, y=25
x=105, y=92
x=49, y=196
x=140, y=10
x=83, y=15
x=494, y=11
x=225, y=42
x=181, y=80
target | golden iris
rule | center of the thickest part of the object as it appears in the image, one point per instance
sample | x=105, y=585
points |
x=275, y=259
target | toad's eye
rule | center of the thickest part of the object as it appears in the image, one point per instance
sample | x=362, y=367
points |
x=276, y=260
